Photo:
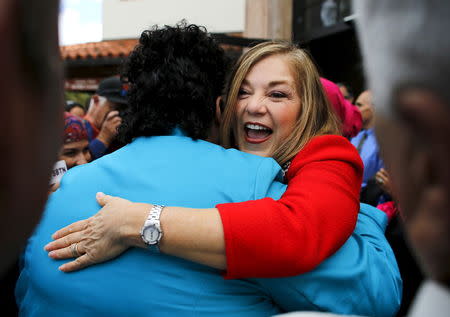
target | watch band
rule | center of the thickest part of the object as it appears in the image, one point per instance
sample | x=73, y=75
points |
x=154, y=214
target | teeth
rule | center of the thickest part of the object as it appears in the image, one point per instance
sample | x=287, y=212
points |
x=255, y=127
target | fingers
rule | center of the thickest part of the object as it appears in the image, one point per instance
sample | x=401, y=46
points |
x=74, y=227
x=383, y=172
x=66, y=253
x=64, y=242
x=379, y=179
x=78, y=264
x=113, y=118
x=115, y=121
x=383, y=178
x=112, y=114
x=102, y=199
x=54, y=187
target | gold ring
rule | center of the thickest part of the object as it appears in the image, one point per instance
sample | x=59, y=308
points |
x=74, y=249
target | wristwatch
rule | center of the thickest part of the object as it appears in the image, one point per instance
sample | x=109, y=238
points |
x=151, y=232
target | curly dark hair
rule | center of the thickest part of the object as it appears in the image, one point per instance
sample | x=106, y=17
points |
x=175, y=75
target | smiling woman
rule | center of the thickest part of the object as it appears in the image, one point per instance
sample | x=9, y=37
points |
x=267, y=108
x=277, y=86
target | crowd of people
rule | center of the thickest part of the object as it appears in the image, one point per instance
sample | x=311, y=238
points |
x=196, y=188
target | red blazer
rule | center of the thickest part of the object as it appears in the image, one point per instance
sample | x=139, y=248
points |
x=313, y=218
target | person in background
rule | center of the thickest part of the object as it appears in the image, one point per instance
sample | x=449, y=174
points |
x=376, y=184
x=365, y=142
x=75, y=108
x=32, y=121
x=75, y=148
x=103, y=115
x=346, y=92
x=348, y=114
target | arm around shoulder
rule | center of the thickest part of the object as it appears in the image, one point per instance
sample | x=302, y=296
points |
x=313, y=218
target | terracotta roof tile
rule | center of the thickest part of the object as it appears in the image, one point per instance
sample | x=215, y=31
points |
x=113, y=49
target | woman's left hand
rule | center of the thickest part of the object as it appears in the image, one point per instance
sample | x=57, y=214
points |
x=99, y=238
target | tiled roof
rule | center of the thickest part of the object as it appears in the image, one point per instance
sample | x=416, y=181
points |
x=94, y=50
x=112, y=49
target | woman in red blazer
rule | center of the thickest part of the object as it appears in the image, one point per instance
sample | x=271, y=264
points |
x=275, y=106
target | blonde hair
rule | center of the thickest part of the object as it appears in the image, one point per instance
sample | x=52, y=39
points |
x=316, y=116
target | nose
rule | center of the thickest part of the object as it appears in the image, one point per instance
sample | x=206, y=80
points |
x=81, y=159
x=256, y=105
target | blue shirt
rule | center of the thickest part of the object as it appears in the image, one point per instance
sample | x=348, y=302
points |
x=361, y=278
x=96, y=147
x=367, y=146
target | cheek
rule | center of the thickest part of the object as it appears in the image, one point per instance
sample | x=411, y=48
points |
x=70, y=162
x=88, y=156
x=238, y=115
x=240, y=108
x=285, y=119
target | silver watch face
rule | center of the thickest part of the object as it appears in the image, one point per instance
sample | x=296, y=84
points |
x=151, y=234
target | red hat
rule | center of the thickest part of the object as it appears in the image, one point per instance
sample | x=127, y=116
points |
x=74, y=129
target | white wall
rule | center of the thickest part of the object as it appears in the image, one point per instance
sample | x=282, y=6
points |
x=128, y=18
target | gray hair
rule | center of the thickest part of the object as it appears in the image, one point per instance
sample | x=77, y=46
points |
x=404, y=43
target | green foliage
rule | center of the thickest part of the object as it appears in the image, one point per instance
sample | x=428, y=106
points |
x=80, y=97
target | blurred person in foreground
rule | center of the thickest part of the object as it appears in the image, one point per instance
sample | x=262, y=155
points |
x=31, y=90
x=31, y=93
x=104, y=116
x=164, y=164
x=74, y=108
x=413, y=125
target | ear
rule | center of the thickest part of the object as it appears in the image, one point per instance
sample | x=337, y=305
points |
x=218, y=118
x=96, y=98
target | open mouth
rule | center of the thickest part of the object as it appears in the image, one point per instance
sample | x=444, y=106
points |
x=256, y=133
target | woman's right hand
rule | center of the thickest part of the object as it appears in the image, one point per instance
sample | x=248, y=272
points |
x=101, y=237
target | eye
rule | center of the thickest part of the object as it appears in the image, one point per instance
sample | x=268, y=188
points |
x=70, y=153
x=242, y=93
x=277, y=94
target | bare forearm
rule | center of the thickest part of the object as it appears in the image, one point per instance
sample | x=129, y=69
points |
x=192, y=234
